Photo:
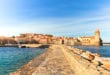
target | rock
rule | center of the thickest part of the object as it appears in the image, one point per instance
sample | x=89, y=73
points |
x=96, y=54
x=77, y=51
x=88, y=55
x=106, y=66
x=106, y=63
x=97, y=63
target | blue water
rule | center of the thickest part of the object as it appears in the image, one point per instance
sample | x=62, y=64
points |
x=11, y=58
x=104, y=51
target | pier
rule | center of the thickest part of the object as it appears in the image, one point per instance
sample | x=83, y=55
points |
x=65, y=60
x=33, y=45
x=27, y=45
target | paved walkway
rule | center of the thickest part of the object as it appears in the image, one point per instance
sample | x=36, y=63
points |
x=51, y=63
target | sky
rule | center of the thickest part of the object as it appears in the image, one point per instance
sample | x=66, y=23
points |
x=57, y=17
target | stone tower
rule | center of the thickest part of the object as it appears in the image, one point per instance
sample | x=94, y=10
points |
x=97, y=37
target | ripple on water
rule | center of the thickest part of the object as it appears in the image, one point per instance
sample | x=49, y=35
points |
x=11, y=58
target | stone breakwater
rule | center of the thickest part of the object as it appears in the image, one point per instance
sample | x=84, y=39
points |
x=65, y=60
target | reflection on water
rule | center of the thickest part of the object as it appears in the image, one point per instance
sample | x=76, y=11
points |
x=102, y=50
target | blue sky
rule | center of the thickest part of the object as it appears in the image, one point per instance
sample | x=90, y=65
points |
x=58, y=17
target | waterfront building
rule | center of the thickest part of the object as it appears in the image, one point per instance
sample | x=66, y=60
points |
x=30, y=38
x=91, y=40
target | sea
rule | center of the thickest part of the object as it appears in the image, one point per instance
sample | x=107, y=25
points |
x=103, y=51
x=12, y=58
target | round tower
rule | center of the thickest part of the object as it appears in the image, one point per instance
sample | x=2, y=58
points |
x=97, y=37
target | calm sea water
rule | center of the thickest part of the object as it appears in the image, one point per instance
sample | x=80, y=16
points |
x=104, y=51
x=12, y=58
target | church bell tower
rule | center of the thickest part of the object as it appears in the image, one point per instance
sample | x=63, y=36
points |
x=97, y=37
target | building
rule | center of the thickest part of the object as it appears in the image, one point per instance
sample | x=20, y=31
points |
x=91, y=40
x=85, y=40
x=30, y=38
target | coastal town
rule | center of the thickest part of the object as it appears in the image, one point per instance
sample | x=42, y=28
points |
x=54, y=37
x=30, y=38
x=60, y=57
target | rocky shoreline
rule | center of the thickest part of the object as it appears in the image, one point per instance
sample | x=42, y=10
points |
x=66, y=60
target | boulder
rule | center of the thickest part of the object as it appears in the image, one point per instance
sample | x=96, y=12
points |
x=77, y=51
x=87, y=55
x=106, y=66
x=96, y=54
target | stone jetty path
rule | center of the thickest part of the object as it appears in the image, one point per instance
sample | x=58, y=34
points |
x=62, y=60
